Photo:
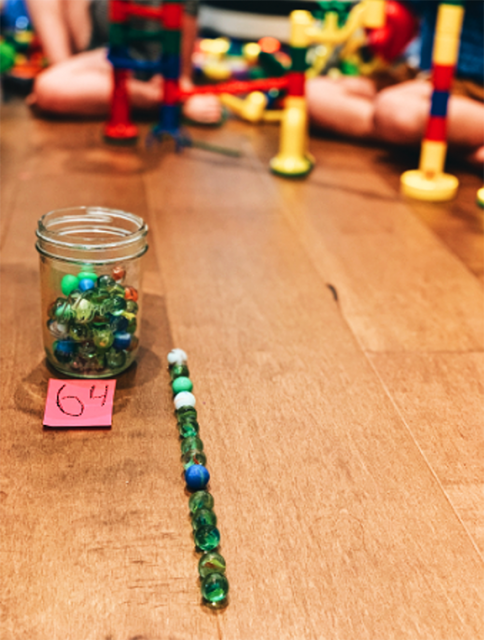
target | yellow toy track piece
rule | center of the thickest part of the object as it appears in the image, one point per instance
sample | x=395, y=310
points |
x=437, y=188
x=480, y=197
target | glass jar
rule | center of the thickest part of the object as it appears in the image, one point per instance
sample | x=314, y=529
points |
x=90, y=275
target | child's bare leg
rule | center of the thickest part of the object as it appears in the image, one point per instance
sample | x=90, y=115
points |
x=63, y=26
x=343, y=105
x=82, y=86
x=79, y=23
x=402, y=111
x=50, y=25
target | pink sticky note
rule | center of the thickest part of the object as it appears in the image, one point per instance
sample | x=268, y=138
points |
x=79, y=403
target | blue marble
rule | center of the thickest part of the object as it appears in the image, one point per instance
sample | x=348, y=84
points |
x=85, y=284
x=197, y=477
x=122, y=340
x=64, y=350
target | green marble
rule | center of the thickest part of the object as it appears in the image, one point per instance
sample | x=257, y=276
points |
x=115, y=359
x=105, y=282
x=87, y=274
x=193, y=457
x=87, y=352
x=211, y=562
x=132, y=307
x=215, y=588
x=79, y=332
x=117, y=290
x=192, y=443
x=115, y=305
x=203, y=518
x=178, y=370
x=188, y=429
x=132, y=326
x=181, y=384
x=207, y=538
x=186, y=414
x=99, y=296
x=103, y=337
x=61, y=310
x=84, y=310
x=200, y=500
x=68, y=284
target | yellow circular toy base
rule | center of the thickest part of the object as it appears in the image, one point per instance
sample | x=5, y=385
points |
x=440, y=188
x=291, y=167
x=480, y=197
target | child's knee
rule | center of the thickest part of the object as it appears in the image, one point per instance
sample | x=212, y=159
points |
x=48, y=93
x=399, y=117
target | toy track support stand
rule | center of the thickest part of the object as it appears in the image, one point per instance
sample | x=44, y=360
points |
x=429, y=182
x=170, y=110
x=293, y=159
x=119, y=129
x=480, y=198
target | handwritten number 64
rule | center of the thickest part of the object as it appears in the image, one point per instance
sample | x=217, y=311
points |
x=81, y=407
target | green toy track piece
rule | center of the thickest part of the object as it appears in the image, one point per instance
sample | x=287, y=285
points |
x=342, y=8
x=7, y=57
x=225, y=151
x=294, y=176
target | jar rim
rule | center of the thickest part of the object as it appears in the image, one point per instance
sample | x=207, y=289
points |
x=73, y=234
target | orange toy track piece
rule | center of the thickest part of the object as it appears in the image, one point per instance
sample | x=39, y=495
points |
x=269, y=44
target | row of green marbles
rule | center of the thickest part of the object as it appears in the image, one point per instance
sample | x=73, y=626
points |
x=211, y=567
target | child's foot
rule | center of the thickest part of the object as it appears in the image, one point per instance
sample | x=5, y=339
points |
x=476, y=157
x=204, y=108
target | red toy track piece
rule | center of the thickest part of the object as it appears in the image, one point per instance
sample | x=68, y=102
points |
x=442, y=76
x=120, y=129
x=436, y=129
x=400, y=27
x=120, y=11
x=296, y=83
x=242, y=86
x=172, y=15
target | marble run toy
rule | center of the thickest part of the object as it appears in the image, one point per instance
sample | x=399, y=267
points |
x=168, y=17
x=293, y=159
x=429, y=182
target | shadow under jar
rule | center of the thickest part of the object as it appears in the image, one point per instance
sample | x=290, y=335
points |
x=90, y=276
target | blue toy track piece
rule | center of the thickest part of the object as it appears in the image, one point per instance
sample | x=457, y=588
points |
x=160, y=132
x=123, y=61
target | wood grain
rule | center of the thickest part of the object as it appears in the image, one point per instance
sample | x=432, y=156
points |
x=337, y=494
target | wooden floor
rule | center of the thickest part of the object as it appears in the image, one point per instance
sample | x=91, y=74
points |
x=335, y=340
